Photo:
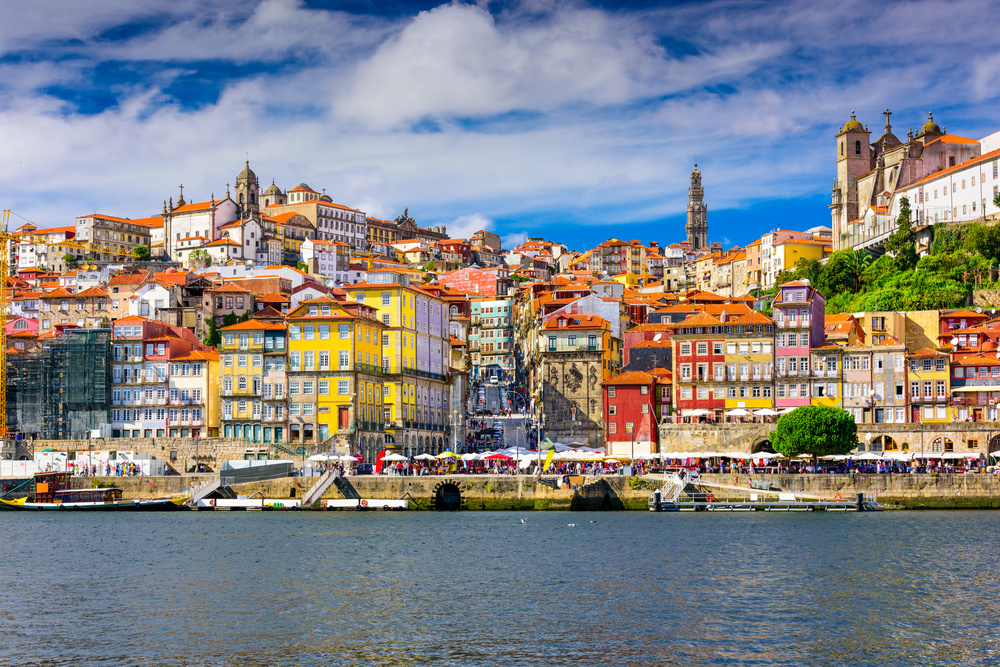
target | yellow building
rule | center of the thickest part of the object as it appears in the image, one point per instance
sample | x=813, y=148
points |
x=416, y=362
x=629, y=280
x=827, y=387
x=241, y=371
x=930, y=386
x=789, y=252
x=335, y=366
x=749, y=362
x=194, y=395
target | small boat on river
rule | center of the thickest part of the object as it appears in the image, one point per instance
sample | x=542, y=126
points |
x=52, y=493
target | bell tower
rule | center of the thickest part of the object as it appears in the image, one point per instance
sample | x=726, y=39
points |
x=854, y=157
x=697, y=213
x=247, y=193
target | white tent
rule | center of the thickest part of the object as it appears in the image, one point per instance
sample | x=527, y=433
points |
x=394, y=457
x=765, y=412
x=737, y=412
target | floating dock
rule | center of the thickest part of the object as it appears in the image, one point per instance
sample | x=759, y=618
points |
x=684, y=492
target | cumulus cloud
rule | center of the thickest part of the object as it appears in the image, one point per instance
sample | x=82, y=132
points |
x=513, y=239
x=467, y=225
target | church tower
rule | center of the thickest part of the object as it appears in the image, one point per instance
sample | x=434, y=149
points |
x=247, y=193
x=854, y=157
x=697, y=213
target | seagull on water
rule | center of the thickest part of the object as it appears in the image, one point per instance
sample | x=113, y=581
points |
x=571, y=525
x=523, y=521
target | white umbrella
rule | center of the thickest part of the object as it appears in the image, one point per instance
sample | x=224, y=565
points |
x=348, y=457
x=868, y=456
x=321, y=457
x=760, y=456
x=737, y=412
x=765, y=412
x=785, y=411
x=472, y=456
x=394, y=457
x=424, y=457
x=996, y=453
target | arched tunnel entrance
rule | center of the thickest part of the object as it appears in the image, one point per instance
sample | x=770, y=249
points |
x=447, y=497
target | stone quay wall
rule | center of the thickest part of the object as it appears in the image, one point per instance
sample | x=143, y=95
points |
x=955, y=491
x=499, y=492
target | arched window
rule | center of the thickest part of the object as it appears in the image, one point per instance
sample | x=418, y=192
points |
x=857, y=147
x=454, y=310
x=242, y=383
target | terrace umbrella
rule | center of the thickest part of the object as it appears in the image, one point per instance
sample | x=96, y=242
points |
x=765, y=412
x=424, y=457
x=498, y=457
x=394, y=457
x=447, y=455
x=737, y=412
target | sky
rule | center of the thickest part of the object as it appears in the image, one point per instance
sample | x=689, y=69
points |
x=573, y=121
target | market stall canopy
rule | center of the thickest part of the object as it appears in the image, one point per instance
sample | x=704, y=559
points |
x=447, y=455
x=424, y=457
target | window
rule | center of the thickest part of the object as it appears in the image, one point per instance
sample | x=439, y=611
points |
x=702, y=348
x=324, y=332
x=612, y=409
x=344, y=332
x=686, y=349
x=611, y=392
x=612, y=428
x=342, y=387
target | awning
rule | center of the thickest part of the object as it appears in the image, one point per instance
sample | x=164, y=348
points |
x=955, y=456
x=974, y=389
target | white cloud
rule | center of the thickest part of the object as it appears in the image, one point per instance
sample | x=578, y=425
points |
x=513, y=239
x=467, y=225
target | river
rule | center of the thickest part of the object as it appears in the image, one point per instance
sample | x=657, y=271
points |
x=483, y=588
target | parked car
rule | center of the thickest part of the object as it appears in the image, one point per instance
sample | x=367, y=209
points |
x=364, y=469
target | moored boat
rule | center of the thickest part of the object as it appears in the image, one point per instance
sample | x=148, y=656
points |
x=51, y=494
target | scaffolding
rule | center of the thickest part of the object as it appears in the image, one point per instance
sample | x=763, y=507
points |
x=61, y=389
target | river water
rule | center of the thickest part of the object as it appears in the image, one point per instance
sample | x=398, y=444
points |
x=481, y=588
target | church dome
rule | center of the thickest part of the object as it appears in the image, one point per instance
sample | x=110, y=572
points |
x=930, y=127
x=853, y=125
x=272, y=190
x=247, y=173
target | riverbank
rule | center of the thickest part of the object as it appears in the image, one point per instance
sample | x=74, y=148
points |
x=525, y=493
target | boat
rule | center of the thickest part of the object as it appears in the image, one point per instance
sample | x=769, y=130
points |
x=51, y=493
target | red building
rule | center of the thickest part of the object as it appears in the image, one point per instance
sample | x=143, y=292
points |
x=478, y=281
x=699, y=368
x=630, y=423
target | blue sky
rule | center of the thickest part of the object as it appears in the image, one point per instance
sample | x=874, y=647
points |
x=570, y=120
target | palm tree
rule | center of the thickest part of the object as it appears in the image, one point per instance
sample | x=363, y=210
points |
x=857, y=262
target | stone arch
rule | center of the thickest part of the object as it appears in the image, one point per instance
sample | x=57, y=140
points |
x=994, y=443
x=942, y=444
x=762, y=445
x=447, y=497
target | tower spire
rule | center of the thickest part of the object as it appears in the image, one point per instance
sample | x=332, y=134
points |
x=697, y=212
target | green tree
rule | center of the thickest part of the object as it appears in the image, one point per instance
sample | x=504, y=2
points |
x=229, y=319
x=430, y=266
x=984, y=239
x=836, y=276
x=141, y=253
x=212, y=335
x=819, y=430
x=857, y=262
x=302, y=266
x=902, y=242
x=70, y=261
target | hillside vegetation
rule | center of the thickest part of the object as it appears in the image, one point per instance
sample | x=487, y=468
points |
x=962, y=258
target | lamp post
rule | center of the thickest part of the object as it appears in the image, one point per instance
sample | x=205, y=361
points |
x=630, y=429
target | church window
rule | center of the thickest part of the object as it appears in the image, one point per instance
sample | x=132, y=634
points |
x=841, y=149
x=857, y=147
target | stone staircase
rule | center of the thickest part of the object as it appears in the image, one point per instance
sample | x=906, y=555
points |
x=316, y=491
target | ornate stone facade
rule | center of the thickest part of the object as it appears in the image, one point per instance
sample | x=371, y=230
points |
x=697, y=213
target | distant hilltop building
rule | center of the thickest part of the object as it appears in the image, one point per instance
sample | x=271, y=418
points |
x=697, y=213
x=947, y=178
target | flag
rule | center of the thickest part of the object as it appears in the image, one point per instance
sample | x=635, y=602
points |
x=548, y=458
